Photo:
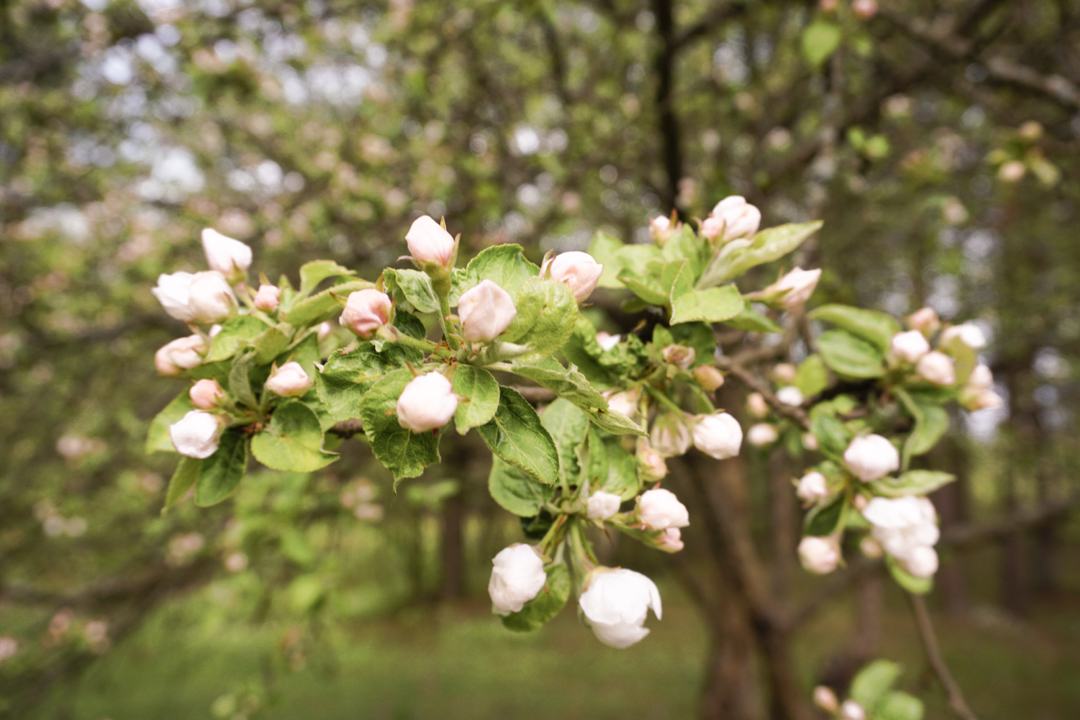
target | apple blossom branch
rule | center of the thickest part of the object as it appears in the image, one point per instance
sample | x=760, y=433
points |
x=796, y=414
x=957, y=703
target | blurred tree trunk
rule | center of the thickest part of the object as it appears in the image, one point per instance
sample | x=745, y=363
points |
x=950, y=455
x=732, y=690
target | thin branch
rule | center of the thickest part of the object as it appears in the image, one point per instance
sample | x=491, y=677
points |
x=957, y=702
x=796, y=414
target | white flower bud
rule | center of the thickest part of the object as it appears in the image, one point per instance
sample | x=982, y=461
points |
x=173, y=292
x=670, y=436
x=785, y=373
x=206, y=394
x=268, y=298
x=517, y=576
x=712, y=228
x=289, y=380
x=485, y=311
x=718, y=435
x=825, y=699
x=213, y=331
x=740, y=218
x=708, y=377
x=427, y=402
x=211, y=299
x=651, y=465
x=660, y=229
x=679, y=355
x=793, y=289
x=366, y=311
x=756, y=405
x=981, y=378
x=670, y=540
x=968, y=333
x=852, y=710
x=616, y=604
x=429, y=242
x=819, y=555
x=578, y=270
x=624, y=402
x=925, y=320
x=790, y=395
x=181, y=354
x=982, y=400
x=196, y=434
x=937, y=367
x=229, y=257
x=812, y=487
x=762, y=434
x=902, y=525
x=921, y=562
x=603, y=505
x=909, y=346
x=660, y=509
x=871, y=457
x=607, y=341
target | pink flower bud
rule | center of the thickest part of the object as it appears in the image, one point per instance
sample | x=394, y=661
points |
x=756, y=405
x=708, y=377
x=325, y=330
x=909, y=346
x=937, y=367
x=785, y=373
x=852, y=710
x=981, y=378
x=268, y=298
x=427, y=402
x=718, y=435
x=366, y=311
x=430, y=243
x=651, y=465
x=925, y=320
x=289, y=380
x=825, y=699
x=793, y=289
x=603, y=505
x=624, y=402
x=810, y=441
x=660, y=229
x=607, y=341
x=670, y=436
x=196, y=434
x=173, y=292
x=678, y=355
x=206, y=394
x=968, y=333
x=812, y=487
x=517, y=576
x=670, y=540
x=485, y=311
x=819, y=555
x=762, y=434
x=660, y=509
x=871, y=457
x=864, y=9
x=712, y=228
x=981, y=400
x=181, y=354
x=578, y=270
x=229, y=257
x=1012, y=171
x=211, y=299
x=740, y=218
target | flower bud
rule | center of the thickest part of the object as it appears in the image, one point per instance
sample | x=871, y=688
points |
x=517, y=576
x=852, y=710
x=756, y=405
x=603, y=505
x=670, y=436
x=819, y=555
x=903, y=525
x=173, y=292
x=810, y=441
x=712, y=228
x=607, y=341
x=871, y=457
x=981, y=400
x=206, y=394
x=660, y=509
x=679, y=355
x=181, y=354
x=429, y=242
x=1012, y=171
x=925, y=320
x=790, y=395
x=921, y=562
x=718, y=435
x=485, y=311
x=762, y=434
x=660, y=229
x=624, y=402
x=708, y=377
x=366, y=311
x=670, y=540
x=740, y=218
x=196, y=434
x=909, y=346
x=785, y=373
x=325, y=330
x=229, y=257
x=864, y=9
x=937, y=367
x=968, y=333
x=289, y=380
x=870, y=547
x=214, y=330
x=268, y=298
x=211, y=298
x=793, y=289
x=578, y=270
x=616, y=604
x=981, y=378
x=825, y=699
x=427, y=402
x=812, y=487
x=651, y=465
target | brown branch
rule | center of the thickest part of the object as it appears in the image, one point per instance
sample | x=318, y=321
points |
x=796, y=414
x=957, y=702
x=710, y=22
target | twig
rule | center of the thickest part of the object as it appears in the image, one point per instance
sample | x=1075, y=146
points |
x=929, y=641
x=797, y=414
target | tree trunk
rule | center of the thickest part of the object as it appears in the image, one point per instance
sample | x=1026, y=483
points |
x=732, y=690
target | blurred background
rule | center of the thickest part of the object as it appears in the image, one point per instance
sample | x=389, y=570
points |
x=938, y=139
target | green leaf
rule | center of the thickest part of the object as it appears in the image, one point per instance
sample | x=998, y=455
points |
x=811, y=377
x=157, y=437
x=592, y=458
x=402, y=451
x=819, y=41
x=314, y=272
x=633, y=257
x=305, y=351
x=875, y=327
x=849, y=356
x=240, y=379
x=515, y=491
x=292, y=441
x=770, y=244
x=913, y=482
x=832, y=435
x=899, y=706
x=271, y=343
x=236, y=333
x=546, y=605
x=822, y=520
x=412, y=285
x=931, y=423
x=482, y=391
x=576, y=388
x=187, y=472
x=345, y=378
x=715, y=304
x=685, y=244
x=649, y=289
x=546, y=314
x=409, y=324
x=220, y=473
x=504, y=265
x=568, y=427
x=751, y=320
x=603, y=248
x=322, y=306
x=919, y=586
x=516, y=435
x=622, y=477
x=873, y=681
